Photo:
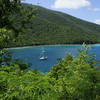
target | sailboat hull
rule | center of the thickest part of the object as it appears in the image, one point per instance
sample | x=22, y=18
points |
x=43, y=58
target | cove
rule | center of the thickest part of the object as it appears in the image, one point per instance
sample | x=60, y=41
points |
x=53, y=52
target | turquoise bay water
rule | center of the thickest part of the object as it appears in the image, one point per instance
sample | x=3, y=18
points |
x=32, y=54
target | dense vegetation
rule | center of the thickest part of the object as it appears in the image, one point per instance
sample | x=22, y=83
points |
x=74, y=78
x=34, y=25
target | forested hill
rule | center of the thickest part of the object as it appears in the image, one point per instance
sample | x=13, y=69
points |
x=37, y=25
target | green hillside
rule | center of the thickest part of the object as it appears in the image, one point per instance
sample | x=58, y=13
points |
x=73, y=78
x=44, y=26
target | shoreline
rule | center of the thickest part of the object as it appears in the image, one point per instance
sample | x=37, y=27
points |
x=47, y=45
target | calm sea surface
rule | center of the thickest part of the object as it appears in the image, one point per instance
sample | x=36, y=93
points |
x=32, y=54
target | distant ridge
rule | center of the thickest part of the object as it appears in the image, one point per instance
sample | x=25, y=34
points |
x=53, y=27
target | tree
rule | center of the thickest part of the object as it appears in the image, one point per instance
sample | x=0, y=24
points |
x=6, y=37
x=77, y=78
x=6, y=8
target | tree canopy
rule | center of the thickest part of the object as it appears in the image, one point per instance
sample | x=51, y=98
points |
x=73, y=78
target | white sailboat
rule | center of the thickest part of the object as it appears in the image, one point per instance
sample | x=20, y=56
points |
x=43, y=57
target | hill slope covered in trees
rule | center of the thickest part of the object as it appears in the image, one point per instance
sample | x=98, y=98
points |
x=37, y=25
x=73, y=78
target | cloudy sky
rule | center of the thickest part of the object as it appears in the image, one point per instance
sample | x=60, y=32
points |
x=85, y=9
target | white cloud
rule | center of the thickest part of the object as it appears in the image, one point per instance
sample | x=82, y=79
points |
x=97, y=21
x=71, y=4
x=94, y=9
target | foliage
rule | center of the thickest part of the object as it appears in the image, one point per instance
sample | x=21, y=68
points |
x=6, y=37
x=73, y=78
x=77, y=78
x=7, y=63
x=6, y=8
x=35, y=25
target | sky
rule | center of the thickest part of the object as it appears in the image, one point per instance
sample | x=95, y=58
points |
x=88, y=10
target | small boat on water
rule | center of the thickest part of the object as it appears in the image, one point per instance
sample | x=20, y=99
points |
x=43, y=56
